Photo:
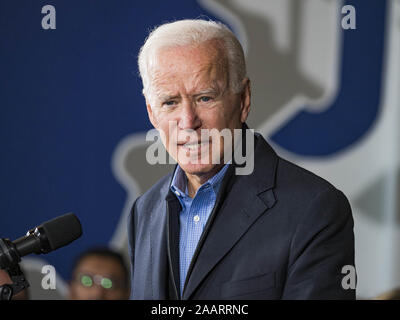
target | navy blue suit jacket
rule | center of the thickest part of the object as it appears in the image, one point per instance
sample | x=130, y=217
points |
x=279, y=233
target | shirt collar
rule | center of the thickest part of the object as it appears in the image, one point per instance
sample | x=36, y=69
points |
x=179, y=181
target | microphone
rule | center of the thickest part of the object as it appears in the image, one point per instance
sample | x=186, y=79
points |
x=45, y=238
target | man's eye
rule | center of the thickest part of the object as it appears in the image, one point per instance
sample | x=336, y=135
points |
x=169, y=103
x=205, y=99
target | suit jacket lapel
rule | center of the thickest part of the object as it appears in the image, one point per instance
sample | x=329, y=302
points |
x=173, y=210
x=158, y=248
x=249, y=198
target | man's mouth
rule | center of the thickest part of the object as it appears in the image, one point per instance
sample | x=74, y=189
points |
x=191, y=146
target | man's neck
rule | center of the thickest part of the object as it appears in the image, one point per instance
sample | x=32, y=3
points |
x=195, y=181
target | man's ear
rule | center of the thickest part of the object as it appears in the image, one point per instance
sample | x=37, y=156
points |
x=245, y=100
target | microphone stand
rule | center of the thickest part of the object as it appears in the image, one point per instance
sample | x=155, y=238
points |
x=9, y=262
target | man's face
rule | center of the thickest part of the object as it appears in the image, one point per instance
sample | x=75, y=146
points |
x=98, y=278
x=190, y=87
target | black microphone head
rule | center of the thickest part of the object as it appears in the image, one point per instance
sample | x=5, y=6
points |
x=62, y=230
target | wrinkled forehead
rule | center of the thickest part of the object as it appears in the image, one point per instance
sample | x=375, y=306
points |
x=192, y=64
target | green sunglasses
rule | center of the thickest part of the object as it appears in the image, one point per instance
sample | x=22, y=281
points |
x=88, y=280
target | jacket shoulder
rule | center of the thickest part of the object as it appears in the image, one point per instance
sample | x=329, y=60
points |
x=152, y=196
x=300, y=180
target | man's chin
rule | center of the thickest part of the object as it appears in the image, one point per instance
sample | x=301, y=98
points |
x=199, y=169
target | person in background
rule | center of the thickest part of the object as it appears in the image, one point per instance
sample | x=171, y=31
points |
x=99, y=274
x=393, y=294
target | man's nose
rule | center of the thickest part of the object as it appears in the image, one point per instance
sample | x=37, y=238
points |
x=97, y=293
x=188, y=117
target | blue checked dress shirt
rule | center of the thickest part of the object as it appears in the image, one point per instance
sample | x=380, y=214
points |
x=194, y=214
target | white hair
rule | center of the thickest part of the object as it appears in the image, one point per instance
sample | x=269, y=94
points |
x=192, y=32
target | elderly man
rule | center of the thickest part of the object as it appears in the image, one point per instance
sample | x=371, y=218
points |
x=206, y=232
